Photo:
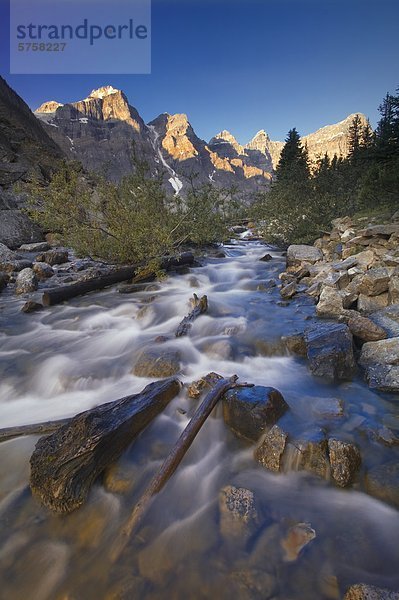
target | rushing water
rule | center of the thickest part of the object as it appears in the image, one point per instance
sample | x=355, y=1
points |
x=72, y=357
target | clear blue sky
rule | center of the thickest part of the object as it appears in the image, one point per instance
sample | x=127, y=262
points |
x=245, y=65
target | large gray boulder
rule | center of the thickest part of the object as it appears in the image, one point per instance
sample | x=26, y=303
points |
x=380, y=352
x=299, y=253
x=330, y=351
x=381, y=363
x=17, y=229
x=249, y=412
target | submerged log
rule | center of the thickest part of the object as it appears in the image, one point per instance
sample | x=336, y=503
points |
x=171, y=463
x=66, y=292
x=200, y=305
x=65, y=464
x=8, y=433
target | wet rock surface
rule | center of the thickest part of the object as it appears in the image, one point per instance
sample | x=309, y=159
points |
x=344, y=460
x=251, y=411
x=362, y=591
x=157, y=362
x=330, y=351
x=238, y=513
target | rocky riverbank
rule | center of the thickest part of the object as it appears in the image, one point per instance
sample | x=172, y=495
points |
x=352, y=273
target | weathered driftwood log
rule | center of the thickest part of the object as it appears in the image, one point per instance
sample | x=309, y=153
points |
x=66, y=292
x=65, y=464
x=172, y=462
x=8, y=433
x=200, y=305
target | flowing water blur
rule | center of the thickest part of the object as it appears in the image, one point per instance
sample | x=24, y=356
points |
x=72, y=357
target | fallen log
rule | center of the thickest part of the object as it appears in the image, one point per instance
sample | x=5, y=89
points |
x=8, y=433
x=66, y=292
x=200, y=305
x=171, y=463
x=65, y=464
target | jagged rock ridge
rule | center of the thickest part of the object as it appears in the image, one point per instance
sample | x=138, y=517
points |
x=101, y=130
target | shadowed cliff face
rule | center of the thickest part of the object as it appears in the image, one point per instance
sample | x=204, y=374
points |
x=24, y=145
x=25, y=150
x=100, y=130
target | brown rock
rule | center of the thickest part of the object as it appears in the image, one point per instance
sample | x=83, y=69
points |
x=364, y=329
x=374, y=282
x=31, y=306
x=270, y=452
x=361, y=591
x=344, y=460
x=393, y=290
x=295, y=344
x=289, y=290
x=369, y=304
x=237, y=512
x=157, y=362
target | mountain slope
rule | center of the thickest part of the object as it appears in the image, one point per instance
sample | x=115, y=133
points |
x=25, y=149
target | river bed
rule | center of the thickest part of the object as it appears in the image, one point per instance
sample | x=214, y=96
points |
x=69, y=358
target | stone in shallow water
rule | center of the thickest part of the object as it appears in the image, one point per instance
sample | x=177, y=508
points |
x=43, y=270
x=270, y=452
x=26, y=282
x=237, y=513
x=361, y=591
x=295, y=344
x=194, y=536
x=157, y=362
x=330, y=351
x=31, y=306
x=298, y=536
x=344, y=460
x=249, y=412
x=383, y=483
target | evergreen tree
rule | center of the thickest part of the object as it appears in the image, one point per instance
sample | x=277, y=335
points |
x=293, y=165
x=355, y=138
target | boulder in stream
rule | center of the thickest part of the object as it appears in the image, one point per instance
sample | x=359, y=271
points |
x=381, y=363
x=26, y=281
x=157, y=362
x=344, y=460
x=237, y=513
x=330, y=351
x=270, y=452
x=249, y=412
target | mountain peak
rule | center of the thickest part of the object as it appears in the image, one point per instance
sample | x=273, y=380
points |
x=226, y=137
x=48, y=107
x=102, y=92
